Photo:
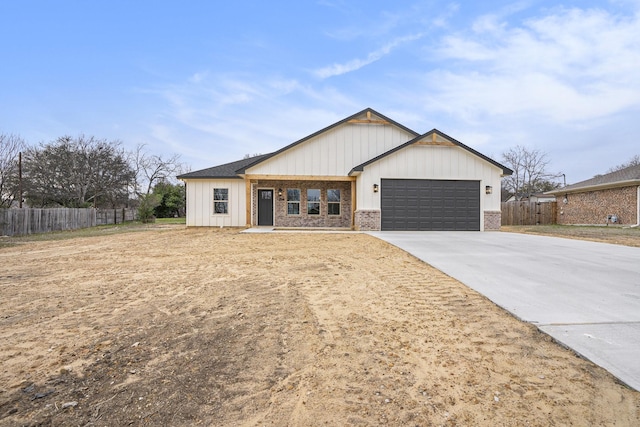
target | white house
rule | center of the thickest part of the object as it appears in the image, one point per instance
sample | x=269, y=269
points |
x=366, y=172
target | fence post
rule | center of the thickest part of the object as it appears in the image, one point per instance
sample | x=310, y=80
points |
x=34, y=220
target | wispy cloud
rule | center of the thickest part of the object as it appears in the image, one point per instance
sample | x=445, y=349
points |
x=496, y=21
x=357, y=63
x=241, y=114
x=571, y=66
x=557, y=75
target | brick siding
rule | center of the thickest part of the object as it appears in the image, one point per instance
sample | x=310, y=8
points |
x=282, y=219
x=592, y=207
x=492, y=220
x=368, y=220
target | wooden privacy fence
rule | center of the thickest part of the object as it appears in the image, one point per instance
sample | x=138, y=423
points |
x=115, y=216
x=528, y=213
x=15, y=222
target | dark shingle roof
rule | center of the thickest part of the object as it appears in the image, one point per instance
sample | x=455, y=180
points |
x=228, y=170
x=630, y=175
x=233, y=169
x=321, y=131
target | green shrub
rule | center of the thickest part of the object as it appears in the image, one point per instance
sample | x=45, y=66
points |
x=146, y=208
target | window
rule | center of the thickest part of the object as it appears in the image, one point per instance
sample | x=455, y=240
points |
x=293, y=201
x=333, y=199
x=313, y=202
x=221, y=201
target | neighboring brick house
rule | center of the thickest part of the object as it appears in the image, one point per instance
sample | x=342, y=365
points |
x=613, y=198
x=365, y=172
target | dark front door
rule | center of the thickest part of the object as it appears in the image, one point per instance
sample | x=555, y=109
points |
x=265, y=207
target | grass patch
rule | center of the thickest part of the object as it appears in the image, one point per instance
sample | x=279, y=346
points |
x=613, y=234
x=101, y=230
x=172, y=221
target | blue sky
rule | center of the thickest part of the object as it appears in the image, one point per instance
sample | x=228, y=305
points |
x=215, y=80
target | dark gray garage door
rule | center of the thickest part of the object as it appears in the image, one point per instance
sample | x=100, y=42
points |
x=425, y=204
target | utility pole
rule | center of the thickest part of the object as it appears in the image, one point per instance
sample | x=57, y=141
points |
x=20, y=179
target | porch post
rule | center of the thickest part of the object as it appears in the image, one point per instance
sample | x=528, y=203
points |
x=248, y=200
x=353, y=204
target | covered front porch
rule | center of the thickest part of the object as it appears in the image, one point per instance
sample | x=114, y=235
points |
x=295, y=202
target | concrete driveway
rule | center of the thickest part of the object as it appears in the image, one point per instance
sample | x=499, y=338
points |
x=584, y=294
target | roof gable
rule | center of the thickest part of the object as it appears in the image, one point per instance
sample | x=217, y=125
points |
x=366, y=116
x=436, y=138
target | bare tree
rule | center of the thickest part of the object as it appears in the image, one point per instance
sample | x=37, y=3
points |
x=530, y=174
x=77, y=172
x=10, y=148
x=634, y=161
x=150, y=169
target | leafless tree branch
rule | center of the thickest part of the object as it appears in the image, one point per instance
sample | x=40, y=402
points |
x=10, y=148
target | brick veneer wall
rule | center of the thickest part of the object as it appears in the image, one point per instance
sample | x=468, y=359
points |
x=368, y=220
x=492, y=220
x=281, y=219
x=592, y=207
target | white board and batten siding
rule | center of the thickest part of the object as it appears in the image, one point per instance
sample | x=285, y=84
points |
x=430, y=162
x=335, y=152
x=200, y=210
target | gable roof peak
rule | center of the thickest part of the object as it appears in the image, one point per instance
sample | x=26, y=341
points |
x=433, y=137
x=366, y=116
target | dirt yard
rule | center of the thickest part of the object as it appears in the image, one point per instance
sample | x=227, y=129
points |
x=182, y=327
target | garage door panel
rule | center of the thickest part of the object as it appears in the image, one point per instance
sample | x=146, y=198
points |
x=430, y=204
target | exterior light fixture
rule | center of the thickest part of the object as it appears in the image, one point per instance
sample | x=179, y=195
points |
x=375, y=188
x=488, y=189
x=565, y=200
x=279, y=192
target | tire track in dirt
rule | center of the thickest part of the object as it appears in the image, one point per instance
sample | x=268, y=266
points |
x=212, y=327
x=386, y=330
